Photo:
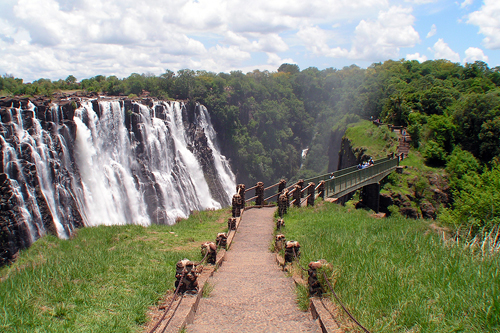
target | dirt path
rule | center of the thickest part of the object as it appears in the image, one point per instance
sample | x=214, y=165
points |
x=250, y=293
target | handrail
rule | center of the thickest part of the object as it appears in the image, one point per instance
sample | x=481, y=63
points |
x=341, y=182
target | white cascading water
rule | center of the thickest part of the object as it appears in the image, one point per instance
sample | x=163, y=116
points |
x=103, y=155
x=105, y=161
x=221, y=163
x=108, y=173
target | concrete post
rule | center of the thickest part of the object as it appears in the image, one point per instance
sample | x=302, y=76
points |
x=259, y=193
x=297, y=194
x=310, y=193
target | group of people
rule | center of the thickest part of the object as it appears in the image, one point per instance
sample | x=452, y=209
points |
x=365, y=164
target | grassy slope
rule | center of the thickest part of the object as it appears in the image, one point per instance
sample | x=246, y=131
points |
x=102, y=280
x=377, y=141
x=395, y=276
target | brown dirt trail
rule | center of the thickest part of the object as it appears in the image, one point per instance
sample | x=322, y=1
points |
x=250, y=293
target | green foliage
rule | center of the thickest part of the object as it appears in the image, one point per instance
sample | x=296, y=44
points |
x=477, y=200
x=394, y=275
x=434, y=153
x=461, y=162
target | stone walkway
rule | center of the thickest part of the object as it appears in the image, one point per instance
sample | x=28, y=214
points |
x=250, y=293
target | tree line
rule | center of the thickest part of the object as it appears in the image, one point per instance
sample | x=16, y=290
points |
x=266, y=119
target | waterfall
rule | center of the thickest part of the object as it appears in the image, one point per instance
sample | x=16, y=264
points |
x=88, y=162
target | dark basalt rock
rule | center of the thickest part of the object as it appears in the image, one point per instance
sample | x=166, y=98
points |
x=428, y=210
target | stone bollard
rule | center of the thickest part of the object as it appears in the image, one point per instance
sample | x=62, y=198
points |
x=221, y=240
x=231, y=223
x=292, y=250
x=315, y=288
x=283, y=203
x=240, y=189
x=297, y=195
x=301, y=184
x=209, y=249
x=279, y=242
x=321, y=189
x=281, y=185
x=259, y=193
x=279, y=224
x=310, y=194
x=236, y=205
x=189, y=283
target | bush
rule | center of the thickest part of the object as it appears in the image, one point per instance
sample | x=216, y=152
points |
x=434, y=154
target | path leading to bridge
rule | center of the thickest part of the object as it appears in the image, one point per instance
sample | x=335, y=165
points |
x=250, y=293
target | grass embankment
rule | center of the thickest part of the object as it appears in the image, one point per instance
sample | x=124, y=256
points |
x=375, y=141
x=102, y=280
x=395, y=275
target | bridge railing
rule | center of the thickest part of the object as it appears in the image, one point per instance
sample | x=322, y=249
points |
x=342, y=180
x=335, y=184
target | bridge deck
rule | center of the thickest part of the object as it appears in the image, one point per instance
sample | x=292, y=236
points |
x=251, y=294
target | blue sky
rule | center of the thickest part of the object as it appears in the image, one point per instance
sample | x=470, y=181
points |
x=56, y=38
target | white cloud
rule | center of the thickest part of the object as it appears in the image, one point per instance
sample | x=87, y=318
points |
x=55, y=38
x=421, y=2
x=416, y=56
x=374, y=40
x=466, y=3
x=383, y=38
x=275, y=60
x=473, y=53
x=487, y=18
x=316, y=40
x=441, y=50
x=432, y=32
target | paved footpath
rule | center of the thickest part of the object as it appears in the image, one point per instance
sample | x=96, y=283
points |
x=251, y=293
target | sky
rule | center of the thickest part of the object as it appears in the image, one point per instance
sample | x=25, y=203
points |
x=53, y=39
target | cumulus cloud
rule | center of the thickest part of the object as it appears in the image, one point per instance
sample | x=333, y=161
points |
x=441, y=50
x=373, y=39
x=316, y=40
x=487, y=18
x=55, y=38
x=383, y=38
x=416, y=56
x=432, y=32
x=473, y=53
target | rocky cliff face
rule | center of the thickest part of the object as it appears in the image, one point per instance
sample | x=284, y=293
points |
x=75, y=162
x=350, y=156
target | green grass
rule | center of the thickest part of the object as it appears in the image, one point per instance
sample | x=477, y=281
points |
x=102, y=280
x=395, y=276
x=378, y=141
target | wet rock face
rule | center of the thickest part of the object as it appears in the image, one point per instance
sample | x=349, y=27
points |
x=35, y=133
x=41, y=184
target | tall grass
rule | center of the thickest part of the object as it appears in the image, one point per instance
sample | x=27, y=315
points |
x=102, y=280
x=397, y=276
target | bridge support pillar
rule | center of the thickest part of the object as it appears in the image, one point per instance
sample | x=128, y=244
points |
x=370, y=196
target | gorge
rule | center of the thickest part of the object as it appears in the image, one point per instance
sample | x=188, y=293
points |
x=82, y=161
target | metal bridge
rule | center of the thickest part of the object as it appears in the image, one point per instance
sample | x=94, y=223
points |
x=351, y=179
x=332, y=185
